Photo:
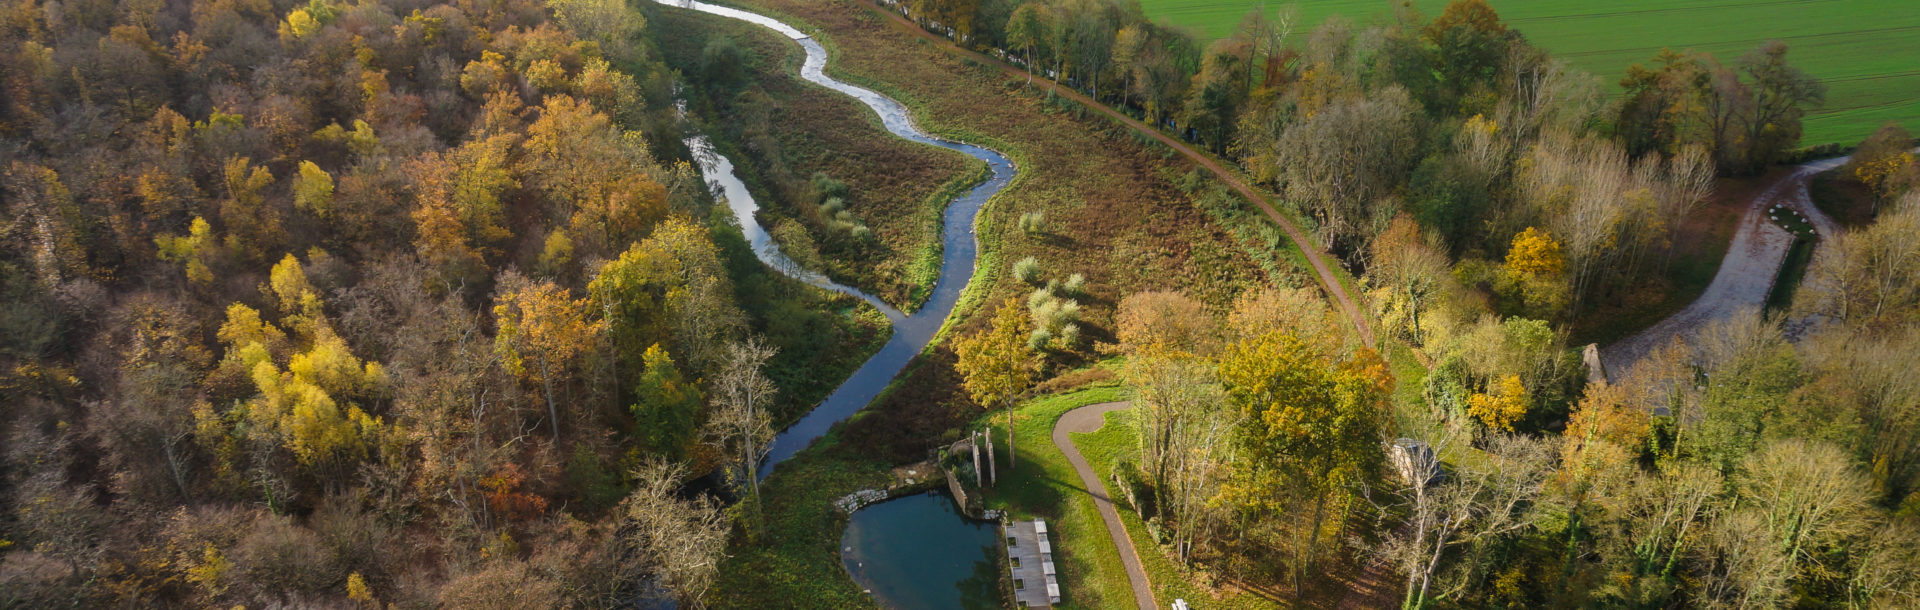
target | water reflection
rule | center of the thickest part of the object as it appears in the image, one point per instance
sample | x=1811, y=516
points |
x=919, y=552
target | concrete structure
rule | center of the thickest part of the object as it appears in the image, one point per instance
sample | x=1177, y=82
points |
x=1036, y=582
x=1415, y=462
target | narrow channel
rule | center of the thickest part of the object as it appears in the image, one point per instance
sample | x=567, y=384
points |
x=911, y=332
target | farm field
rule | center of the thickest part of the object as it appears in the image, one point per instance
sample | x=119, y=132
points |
x=1867, y=51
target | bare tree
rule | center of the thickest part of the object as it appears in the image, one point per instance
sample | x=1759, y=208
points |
x=1483, y=501
x=740, y=425
x=681, y=541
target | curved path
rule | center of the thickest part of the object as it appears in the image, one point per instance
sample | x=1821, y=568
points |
x=1747, y=273
x=1084, y=420
x=1328, y=281
x=911, y=333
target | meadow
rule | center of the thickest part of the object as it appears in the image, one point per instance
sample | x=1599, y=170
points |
x=1867, y=51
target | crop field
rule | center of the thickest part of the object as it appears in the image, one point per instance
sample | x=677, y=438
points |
x=1867, y=51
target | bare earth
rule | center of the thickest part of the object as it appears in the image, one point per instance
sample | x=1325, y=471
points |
x=1089, y=419
x=1746, y=275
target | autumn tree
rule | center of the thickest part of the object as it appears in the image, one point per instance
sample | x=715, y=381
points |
x=1885, y=163
x=996, y=363
x=1311, y=428
x=542, y=332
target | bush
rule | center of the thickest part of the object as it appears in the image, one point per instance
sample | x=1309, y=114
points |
x=1033, y=222
x=1027, y=270
x=279, y=556
x=1039, y=339
x=826, y=188
x=1075, y=287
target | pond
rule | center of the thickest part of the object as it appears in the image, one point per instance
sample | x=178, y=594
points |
x=918, y=552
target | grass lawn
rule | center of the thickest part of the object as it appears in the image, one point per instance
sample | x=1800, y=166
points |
x=1867, y=51
x=1844, y=200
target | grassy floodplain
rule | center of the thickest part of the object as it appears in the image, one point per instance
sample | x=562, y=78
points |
x=1867, y=51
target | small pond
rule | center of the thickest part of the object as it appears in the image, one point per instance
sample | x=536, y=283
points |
x=918, y=552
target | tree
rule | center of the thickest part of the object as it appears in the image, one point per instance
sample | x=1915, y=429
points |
x=1480, y=503
x=740, y=423
x=1505, y=402
x=1163, y=321
x=313, y=190
x=1181, y=428
x=1338, y=163
x=1782, y=94
x=1534, y=252
x=1029, y=26
x=1885, y=163
x=681, y=540
x=996, y=363
x=542, y=331
x=1310, y=427
x=666, y=407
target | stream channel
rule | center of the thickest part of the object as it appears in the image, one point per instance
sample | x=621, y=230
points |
x=917, y=551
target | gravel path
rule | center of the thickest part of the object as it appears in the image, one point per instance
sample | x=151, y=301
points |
x=1746, y=274
x=1081, y=421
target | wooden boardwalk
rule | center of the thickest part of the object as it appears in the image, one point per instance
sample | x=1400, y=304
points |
x=1030, y=550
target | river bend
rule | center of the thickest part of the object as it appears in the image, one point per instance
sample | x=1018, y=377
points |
x=959, y=246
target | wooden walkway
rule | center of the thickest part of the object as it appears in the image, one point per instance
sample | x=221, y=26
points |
x=1029, y=548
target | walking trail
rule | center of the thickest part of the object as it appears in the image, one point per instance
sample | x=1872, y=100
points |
x=1082, y=421
x=1747, y=273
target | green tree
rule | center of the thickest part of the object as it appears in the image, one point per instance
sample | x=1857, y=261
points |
x=666, y=407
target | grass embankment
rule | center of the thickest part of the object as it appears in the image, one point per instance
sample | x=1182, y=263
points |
x=784, y=129
x=1841, y=198
x=1862, y=49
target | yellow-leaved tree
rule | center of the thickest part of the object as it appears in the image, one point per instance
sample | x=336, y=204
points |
x=1504, y=402
x=542, y=331
x=996, y=363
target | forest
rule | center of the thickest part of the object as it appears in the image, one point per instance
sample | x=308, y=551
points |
x=408, y=304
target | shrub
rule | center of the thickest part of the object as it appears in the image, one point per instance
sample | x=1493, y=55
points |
x=1039, y=339
x=826, y=188
x=1033, y=222
x=1075, y=287
x=1027, y=270
x=279, y=556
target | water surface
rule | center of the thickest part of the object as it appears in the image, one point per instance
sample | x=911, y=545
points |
x=911, y=332
x=919, y=552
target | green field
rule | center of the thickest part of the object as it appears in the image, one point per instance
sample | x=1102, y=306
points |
x=1867, y=51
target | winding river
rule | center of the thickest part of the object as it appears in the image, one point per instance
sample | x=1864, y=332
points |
x=911, y=332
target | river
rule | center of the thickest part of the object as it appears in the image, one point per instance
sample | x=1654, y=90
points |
x=959, y=246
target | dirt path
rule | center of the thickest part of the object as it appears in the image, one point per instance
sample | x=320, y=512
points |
x=1089, y=419
x=1747, y=273
x=1328, y=280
